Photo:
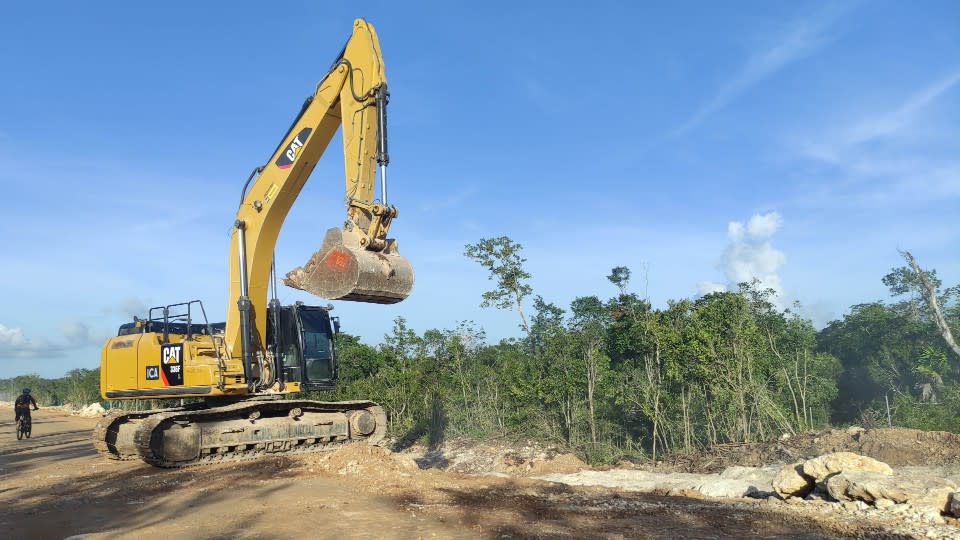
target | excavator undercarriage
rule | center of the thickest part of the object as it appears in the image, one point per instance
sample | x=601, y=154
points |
x=192, y=435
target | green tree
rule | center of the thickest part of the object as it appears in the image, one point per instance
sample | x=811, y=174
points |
x=501, y=256
x=589, y=323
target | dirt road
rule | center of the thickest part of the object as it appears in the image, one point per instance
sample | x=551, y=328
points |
x=55, y=486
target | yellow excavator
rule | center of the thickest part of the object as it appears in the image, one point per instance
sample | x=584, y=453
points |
x=234, y=376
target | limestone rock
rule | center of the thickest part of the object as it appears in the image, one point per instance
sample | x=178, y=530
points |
x=94, y=410
x=931, y=516
x=820, y=468
x=849, y=506
x=759, y=475
x=792, y=482
x=883, y=504
x=867, y=486
x=900, y=508
x=927, y=494
x=730, y=488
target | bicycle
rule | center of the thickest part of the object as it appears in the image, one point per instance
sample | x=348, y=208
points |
x=24, y=425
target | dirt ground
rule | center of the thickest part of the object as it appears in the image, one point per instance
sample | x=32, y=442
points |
x=55, y=486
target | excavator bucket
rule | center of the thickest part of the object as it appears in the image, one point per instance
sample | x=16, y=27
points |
x=342, y=270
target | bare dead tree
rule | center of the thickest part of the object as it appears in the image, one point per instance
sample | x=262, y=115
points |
x=930, y=294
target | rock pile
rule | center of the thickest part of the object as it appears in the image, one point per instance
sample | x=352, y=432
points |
x=846, y=477
x=94, y=410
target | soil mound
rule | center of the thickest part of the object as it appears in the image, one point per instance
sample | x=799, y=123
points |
x=896, y=446
x=499, y=457
x=360, y=459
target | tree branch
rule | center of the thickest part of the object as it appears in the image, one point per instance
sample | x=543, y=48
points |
x=930, y=294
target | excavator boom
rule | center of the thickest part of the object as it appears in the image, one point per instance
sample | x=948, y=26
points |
x=357, y=262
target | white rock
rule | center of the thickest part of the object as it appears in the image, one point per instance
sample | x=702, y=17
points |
x=791, y=482
x=821, y=467
x=758, y=483
x=883, y=504
x=849, y=506
x=731, y=487
x=931, y=517
x=900, y=508
x=924, y=493
x=94, y=410
x=759, y=475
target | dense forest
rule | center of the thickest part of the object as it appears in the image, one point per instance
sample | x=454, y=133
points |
x=615, y=377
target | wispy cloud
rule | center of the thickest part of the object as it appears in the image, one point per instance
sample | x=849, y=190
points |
x=802, y=39
x=894, y=122
x=892, y=157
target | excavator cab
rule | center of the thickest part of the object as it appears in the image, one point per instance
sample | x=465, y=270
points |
x=301, y=337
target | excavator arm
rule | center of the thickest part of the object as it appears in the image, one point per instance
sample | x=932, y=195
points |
x=356, y=262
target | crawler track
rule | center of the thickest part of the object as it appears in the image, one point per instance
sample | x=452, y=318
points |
x=181, y=437
x=106, y=434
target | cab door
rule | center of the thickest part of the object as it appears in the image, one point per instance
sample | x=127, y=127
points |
x=319, y=359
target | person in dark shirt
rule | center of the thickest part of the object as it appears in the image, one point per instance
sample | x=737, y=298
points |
x=22, y=406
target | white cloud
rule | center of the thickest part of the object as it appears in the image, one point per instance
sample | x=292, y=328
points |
x=11, y=337
x=735, y=230
x=15, y=344
x=750, y=255
x=708, y=287
x=764, y=226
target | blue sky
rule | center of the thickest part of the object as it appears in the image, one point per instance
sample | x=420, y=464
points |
x=698, y=143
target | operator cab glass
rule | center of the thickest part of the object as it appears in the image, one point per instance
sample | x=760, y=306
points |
x=317, y=337
x=303, y=342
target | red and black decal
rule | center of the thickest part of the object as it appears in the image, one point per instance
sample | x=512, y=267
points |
x=293, y=149
x=171, y=364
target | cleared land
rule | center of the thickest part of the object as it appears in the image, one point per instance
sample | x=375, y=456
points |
x=54, y=486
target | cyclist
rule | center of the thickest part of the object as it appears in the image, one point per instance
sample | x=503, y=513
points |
x=22, y=405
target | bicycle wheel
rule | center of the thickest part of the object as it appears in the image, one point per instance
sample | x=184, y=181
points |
x=19, y=429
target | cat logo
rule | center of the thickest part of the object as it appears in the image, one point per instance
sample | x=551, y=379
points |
x=171, y=354
x=288, y=156
x=171, y=364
